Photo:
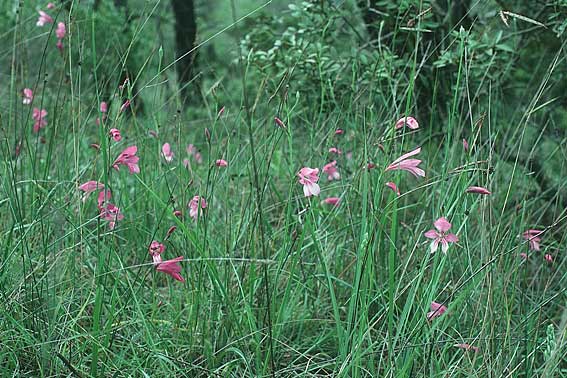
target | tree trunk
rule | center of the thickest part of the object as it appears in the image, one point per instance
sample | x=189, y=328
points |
x=185, y=36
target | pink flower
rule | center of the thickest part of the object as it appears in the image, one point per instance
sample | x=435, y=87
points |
x=125, y=105
x=339, y=132
x=335, y=150
x=115, y=134
x=128, y=158
x=198, y=157
x=50, y=5
x=194, y=206
x=279, y=122
x=103, y=197
x=441, y=236
x=89, y=187
x=28, y=96
x=103, y=107
x=477, y=190
x=193, y=151
x=59, y=45
x=167, y=153
x=410, y=165
x=524, y=255
x=370, y=166
x=532, y=236
x=334, y=201
x=393, y=186
x=465, y=145
x=548, y=258
x=221, y=112
x=331, y=171
x=409, y=121
x=437, y=309
x=61, y=30
x=177, y=214
x=221, y=163
x=39, y=118
x=43, y=19
x=172, y=268
x=170, y=231
x=308, y=178
x=467, y=347
x=111, y=214
x=155, y=250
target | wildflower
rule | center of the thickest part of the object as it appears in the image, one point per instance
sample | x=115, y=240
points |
x=370, y=166
x=172, y=268
x=465, y=145
x=177, y=214
x=477, y=190
x=331, y=171
x=167, y=153
x=194, y=206
x=39, y=118
x=437, y=309
x=339, y=132
x=410, y=165
x=532, y=236
x=28, y=96
x=60, y=33
x=335, y=150
x=524, y=255
x=308, y=178
x=89, y=187
x=334, y=201
x=103, y=107
x=128, y=158
x=111, y=214
x=94, y=146
x=155, y=250
x=115, y=134
x=393, y=186
x=279, y=122
x=193, y=151
x=170, y=231
x=50, y=5
x=441, y=236
x=44, y=18
x=409, y=121
x=103, y=196
x=125, y=105
x=467, y=347
x=221, y=163
x=548, y=258
x=220, y=113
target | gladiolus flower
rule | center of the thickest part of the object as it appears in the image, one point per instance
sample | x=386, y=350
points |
x=103, y=107
x=221, y=163
x=308, y=178
x=532, y=236
x=441, y=236
x=50, y=5
x=103, y=196
x=339, y=132
x=335, y=150
x=115, y=134
x=410, y=165
x=170, y=231
x=393, y=186
x=193, y=151
x=467, y=347
x=279, y=122
x=465, y=145
x=172, y=268
x=125, y=105
x=477, y=190
x=95, y=146
x=155, y=250
x=61, y=30
x=39, y=118
x=167, y=153
x=128, y=158
x=331, y=171
x=409, y=121
x=89, y=187
x=194, y=206
x=111, y=214
x=177, y=214
x=548, y=258
x=370, y=166
x=437, y=309
x=221, y=112
x=28, y=96
x=44, y=18
x=334, y=201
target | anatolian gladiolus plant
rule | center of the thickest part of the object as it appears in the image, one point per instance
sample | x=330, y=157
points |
x=283, y=189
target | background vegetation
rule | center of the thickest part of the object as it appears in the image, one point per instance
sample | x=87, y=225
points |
x=276, y=283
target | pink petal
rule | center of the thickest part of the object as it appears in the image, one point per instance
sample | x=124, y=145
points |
x=405, y=156
x=334, y=201
x=393, y=186
x=477, y=190
x=451, y=238
x=442, y=225
x=432, y=234
x=409, y=121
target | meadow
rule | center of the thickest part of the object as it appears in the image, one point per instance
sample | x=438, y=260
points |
x=343, y=188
